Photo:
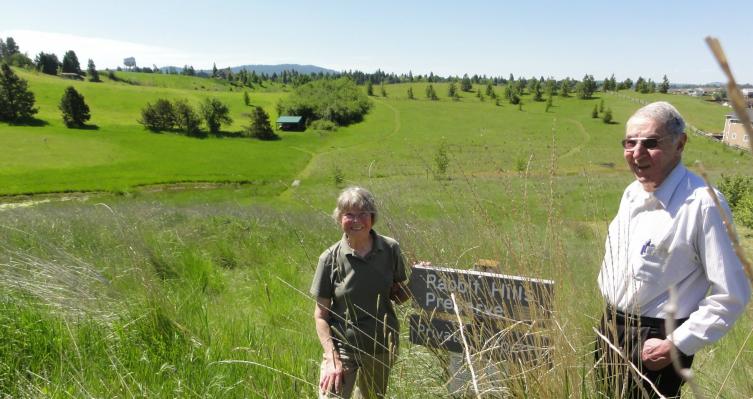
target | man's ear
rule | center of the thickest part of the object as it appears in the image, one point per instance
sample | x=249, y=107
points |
x=681, y=142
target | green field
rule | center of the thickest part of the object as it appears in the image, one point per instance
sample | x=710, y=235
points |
x=180, y=268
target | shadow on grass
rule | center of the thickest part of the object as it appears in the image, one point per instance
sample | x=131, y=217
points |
x=29, y=122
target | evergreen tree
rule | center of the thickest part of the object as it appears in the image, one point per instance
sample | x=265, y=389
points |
x=3, y=49
x=410, y=93
x=607, y=118
x=431, y=94
x=451, y=90
x=465, y=83
x=595, y=112
x=91, y=70
x=382, y=91
x=585, y=88
x=565, y=88
x=215, y=113
x=74, y=108
x=10, y=48
x=601, y=105
x=490, y=90
x=369, y=88
x=246, y=98
x=664, y=86
x=47, y=63
x=260, y=127
x=214, y=71
x=70, y=63
x=627, y=84
x=16, y=101
x=549, y=102
x=640, y=85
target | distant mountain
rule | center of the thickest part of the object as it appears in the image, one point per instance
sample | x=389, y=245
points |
x=270, y=69
x=259, y=69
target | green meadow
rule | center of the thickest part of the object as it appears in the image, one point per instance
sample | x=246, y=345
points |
x=159, y=265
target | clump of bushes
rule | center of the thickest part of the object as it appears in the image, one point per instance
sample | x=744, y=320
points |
x=338, y=101
x=180, y=116
x=739, y=193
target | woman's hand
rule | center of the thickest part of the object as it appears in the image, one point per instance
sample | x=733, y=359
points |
x=332, y=377
x=399, y=292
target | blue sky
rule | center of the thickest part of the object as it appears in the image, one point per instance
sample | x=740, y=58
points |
x=496, y=38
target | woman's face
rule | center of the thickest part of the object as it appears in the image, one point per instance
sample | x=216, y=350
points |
x=356, y=222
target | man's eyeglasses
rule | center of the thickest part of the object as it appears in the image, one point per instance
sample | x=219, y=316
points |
x=646, y=142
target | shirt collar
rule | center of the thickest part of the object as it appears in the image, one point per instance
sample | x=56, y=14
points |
x=665, y=190
x=345, y=248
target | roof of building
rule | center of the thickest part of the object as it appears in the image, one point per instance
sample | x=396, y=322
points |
x=749, y=111
x=289, y=119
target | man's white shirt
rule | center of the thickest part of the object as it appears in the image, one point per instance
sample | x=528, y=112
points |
x=675, y=237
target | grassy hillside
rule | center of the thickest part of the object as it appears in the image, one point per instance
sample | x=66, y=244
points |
x=203, y=293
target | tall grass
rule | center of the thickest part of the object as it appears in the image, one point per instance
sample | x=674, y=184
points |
x=191, y=299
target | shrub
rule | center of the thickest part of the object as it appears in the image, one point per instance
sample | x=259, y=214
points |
x=338, y=100
x=215, y=113
x=607, y=118
x=74, y=108
x=158, y=117
x=738, y=190
x=186, y=118
x=324, y=125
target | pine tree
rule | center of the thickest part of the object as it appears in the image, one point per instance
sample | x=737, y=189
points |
x=260, y=127
x=465, y=83
x=664, y=86
x=246, y=98
x=410, y=93
x=382, y=91
x=595, y=112
x=565, y=88
x=47, y=63
x=70, y=63
x=16, y=101
x=10, y=47
x=607, y=118
x=451, y=90
x=91, y=70
x=601, y=105
x=74, y=108
x=369, y=88
x=431, y=94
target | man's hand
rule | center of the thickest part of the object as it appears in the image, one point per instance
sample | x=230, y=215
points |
x=399, y=293
x=332, y=377
x=656, y=353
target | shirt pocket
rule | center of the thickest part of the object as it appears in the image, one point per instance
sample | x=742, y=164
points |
x=651, y=267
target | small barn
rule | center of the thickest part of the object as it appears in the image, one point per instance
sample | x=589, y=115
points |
x=287, y=122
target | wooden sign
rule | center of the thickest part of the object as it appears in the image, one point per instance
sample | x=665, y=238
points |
x=480, y=293
x=444, y=334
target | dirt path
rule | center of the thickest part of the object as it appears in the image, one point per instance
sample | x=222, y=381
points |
x=306, y=171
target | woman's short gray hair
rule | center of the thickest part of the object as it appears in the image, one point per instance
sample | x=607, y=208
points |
x=355, y=197
x=665, y=114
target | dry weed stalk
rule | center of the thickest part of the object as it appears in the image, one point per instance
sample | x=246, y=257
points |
x=633, y=366
x=465, y=345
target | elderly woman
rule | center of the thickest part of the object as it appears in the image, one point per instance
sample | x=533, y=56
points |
x=355, y=281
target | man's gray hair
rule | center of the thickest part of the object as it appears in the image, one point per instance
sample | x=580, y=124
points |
x=355, y=197
x=665, y=114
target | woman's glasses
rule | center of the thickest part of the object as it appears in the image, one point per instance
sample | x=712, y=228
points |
x=646, y=142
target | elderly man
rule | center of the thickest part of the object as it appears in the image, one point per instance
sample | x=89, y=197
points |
x=668, y=234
